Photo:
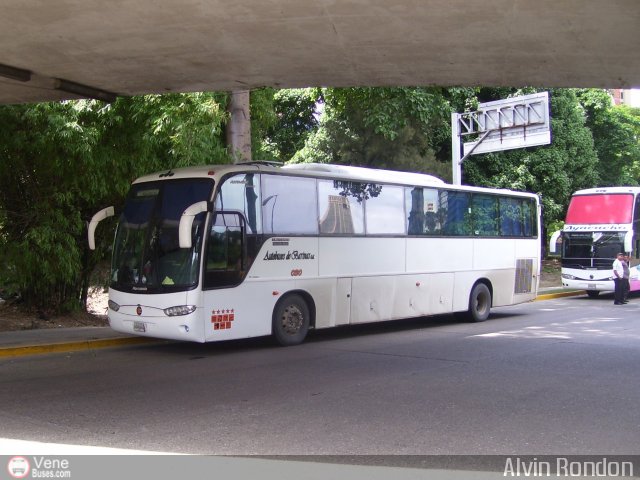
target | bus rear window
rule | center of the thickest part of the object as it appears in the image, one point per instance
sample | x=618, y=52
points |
x=600, y=209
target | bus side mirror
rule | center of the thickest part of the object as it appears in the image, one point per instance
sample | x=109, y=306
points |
x=186, y=222
x=628, y=242
x=553, y=241
x=95, y=220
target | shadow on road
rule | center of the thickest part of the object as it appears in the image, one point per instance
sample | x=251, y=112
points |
x=204, y=350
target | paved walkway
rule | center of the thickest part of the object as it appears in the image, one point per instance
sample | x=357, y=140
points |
x=56, y=340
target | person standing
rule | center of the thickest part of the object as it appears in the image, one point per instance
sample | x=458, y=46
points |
x=618, y=279
x=626, y=286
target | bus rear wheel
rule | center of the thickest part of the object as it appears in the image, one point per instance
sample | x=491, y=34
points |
x=291, y=319
x=479, y=303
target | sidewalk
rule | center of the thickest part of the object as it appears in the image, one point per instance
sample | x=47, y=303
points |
x=58, y=340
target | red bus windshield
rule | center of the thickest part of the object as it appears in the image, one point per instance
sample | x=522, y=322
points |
x=600, y=209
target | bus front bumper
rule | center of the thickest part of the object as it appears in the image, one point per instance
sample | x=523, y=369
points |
x=581, y=284
x=185, y=328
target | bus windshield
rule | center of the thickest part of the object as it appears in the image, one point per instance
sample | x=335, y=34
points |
x=591, y=249
x=600, y=209
x=146, y=256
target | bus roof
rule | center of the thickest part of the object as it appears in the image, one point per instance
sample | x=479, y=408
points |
x=361, y=173
x=319, y=170
x=607, y=190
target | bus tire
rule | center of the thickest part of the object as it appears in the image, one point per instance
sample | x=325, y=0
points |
x=291, y=320
x=479, y=303
x=593, y=293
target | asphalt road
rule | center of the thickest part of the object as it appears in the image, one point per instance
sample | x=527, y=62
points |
x=552, y=377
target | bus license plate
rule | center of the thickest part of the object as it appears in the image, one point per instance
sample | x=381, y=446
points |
x=139, y=327
x=591, y=286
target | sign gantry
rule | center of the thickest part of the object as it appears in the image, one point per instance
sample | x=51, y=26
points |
x=515, y=122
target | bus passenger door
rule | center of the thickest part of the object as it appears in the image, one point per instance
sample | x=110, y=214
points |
x=225, y=261
x=343, y=301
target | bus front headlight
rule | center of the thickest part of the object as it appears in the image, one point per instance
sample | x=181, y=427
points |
x=113, y=306
x=568, y=277
x=179, y=310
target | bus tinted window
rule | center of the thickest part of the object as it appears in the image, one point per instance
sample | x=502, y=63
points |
x=517, y=217
x=385, y=211
x=485, y=215
x=341, y=212
x=455, y=208
x=431, y=211
x=242, y=193
x=529, y=222
x=511, y=217
x=289, y=205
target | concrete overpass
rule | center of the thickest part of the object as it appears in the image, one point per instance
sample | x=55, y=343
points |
x=126, y=47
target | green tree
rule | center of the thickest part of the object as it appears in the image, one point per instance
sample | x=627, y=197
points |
x=615, y=132
x=263, y=119
x=295, y=118
x=45, y=148
x=398, y=128
x=61, y=162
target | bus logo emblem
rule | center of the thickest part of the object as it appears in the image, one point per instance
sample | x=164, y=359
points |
x=139, y=310
x=18, y=467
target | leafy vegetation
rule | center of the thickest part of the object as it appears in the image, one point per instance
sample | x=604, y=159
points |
x=61, y=162
x=397, y=128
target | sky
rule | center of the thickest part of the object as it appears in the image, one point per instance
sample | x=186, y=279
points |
x=633, y=97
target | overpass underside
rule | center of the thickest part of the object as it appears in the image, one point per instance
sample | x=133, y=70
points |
x=52, y=49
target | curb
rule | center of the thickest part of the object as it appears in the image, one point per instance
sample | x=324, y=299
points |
x=549, y=296
x=76, y=346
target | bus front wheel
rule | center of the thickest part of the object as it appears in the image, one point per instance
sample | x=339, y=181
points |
x=291, y=319
x=479, y=303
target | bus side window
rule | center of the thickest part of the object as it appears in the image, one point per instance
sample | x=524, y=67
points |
x=289, y=205
x=341, y=211
x=241, y=193
x=456, y=212
x=423, y=211
x=485, y=215
x=512, y=221
x=530, y=221
x=384, y=212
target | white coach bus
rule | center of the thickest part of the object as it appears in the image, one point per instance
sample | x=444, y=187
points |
x=600, y=223
x=235, y=251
